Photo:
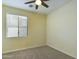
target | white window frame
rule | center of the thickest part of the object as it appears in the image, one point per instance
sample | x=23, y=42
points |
x=18, y=35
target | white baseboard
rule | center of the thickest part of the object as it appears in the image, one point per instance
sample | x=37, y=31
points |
x=50, y=45
x=10, y=51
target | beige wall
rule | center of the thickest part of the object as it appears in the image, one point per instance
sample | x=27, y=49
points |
x=61, y=29
x=37, y=30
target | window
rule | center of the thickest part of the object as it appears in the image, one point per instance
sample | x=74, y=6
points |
x=16, y=26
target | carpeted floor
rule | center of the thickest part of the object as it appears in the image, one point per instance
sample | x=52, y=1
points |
x=44, y=52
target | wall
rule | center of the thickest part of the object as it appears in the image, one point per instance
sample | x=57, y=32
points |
x=37, y=30
x=62, y=28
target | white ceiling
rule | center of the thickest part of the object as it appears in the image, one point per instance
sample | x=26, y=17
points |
x=53, y=4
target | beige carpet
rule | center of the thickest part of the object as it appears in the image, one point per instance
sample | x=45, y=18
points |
x=44, y=52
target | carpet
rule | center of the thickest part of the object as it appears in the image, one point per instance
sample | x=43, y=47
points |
x=43, y=52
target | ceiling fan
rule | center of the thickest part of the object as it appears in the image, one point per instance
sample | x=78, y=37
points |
x=38, y=2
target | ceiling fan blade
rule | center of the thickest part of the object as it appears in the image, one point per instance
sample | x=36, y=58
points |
x=44, y=4
x=44, y=0
x=29, y=2
x=36, y=6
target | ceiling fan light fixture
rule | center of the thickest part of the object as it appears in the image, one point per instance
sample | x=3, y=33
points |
x=38, y=2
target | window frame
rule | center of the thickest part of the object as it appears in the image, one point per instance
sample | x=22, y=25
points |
x=17, y=27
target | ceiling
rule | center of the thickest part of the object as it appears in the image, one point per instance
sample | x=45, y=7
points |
x=53, y=4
